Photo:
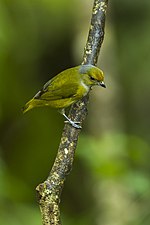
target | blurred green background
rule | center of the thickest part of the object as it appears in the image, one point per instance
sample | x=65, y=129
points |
x=110, y=180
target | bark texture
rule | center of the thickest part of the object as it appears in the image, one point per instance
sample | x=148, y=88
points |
x=49, y=192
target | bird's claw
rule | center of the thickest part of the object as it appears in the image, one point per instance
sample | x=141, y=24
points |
x=73, y=123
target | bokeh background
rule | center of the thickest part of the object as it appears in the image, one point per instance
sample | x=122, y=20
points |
x=110, y=180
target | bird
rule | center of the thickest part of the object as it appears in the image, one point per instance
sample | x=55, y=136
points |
x=66, y=88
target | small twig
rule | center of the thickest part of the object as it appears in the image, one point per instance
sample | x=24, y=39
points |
x=49, y=192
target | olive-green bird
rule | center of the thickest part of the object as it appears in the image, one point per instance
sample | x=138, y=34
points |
x=66, y=88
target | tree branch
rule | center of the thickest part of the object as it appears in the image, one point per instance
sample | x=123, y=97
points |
x=49, y=192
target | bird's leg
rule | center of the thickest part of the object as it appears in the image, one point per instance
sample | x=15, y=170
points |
x=73, y=123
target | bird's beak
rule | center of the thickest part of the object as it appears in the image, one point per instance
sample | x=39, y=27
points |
x=102, y=84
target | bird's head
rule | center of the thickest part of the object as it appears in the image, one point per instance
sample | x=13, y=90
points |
x=92, y=75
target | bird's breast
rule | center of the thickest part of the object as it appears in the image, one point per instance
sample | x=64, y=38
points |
x=85, y=88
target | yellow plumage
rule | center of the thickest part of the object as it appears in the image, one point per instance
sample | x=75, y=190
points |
x=66, y=88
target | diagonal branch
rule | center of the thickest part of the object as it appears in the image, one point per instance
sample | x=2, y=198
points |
x=49, y=192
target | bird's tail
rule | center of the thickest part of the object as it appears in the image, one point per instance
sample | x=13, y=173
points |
x=29, y=105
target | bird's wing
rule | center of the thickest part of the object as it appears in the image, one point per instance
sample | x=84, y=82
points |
x=55, y=92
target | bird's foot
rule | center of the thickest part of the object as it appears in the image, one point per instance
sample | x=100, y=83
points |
x=73, y=123
x=68, y=120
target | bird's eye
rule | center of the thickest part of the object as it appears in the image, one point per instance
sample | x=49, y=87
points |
x=92, y=78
